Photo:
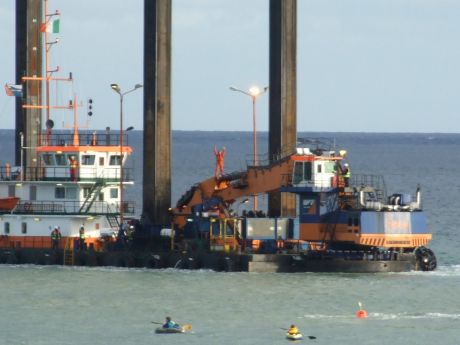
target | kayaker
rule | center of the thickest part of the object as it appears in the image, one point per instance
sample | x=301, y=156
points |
x=170, y=323
x=293, y=330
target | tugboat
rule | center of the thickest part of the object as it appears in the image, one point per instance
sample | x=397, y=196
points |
x=75, y=185
x=342, y=223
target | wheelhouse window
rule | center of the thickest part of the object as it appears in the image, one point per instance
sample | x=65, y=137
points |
x=86, y=191
x=298, y=172
x=48, y=159
x=6, y=228
x=11, y=190
x=306, y=205
x=114, y=160
x=101, y=161
x=113, y=193
x=307, y=171
x=88, y=159
x=329, y=167
x=71, y=193
x=33, y=193
x=60, y=159
x=59, y=192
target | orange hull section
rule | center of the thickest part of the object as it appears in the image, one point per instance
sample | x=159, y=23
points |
x=43, y=242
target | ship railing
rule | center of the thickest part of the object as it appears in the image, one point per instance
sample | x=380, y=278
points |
x=267, y=159
x=72, y=207
x=377, y=182
x=86, y=138
x=323, y=182
x=82, y=173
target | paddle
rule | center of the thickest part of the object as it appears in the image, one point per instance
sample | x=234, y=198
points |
x=308, y=336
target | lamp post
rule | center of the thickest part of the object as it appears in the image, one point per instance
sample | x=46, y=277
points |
x=253, y=92
x=117, y=89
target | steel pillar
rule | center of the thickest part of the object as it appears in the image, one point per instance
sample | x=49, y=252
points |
x=29, y=62
x=283, y=93
x=157, y=112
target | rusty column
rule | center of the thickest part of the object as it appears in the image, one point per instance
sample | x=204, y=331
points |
x=29, y=62
x=157, y=112
x=283, y=93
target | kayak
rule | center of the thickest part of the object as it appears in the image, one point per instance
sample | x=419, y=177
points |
x=161, y=330
x=296, y=336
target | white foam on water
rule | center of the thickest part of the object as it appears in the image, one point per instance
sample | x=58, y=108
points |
x=399, y=316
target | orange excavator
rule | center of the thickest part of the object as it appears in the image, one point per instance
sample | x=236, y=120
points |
x=334, y=210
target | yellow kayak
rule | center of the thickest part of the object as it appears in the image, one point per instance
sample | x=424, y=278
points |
x=297, y=336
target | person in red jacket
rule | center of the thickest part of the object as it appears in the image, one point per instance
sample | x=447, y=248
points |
x=220, y=156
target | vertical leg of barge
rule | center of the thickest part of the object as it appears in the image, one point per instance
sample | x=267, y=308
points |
x=157, y=111
x=283, y=72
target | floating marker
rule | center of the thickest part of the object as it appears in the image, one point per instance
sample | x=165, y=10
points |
x=361, y=313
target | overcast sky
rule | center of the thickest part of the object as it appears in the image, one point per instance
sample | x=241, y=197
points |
x=363, y=66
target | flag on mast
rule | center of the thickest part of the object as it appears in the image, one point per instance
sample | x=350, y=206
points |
x=13, y=90
x=51, y=26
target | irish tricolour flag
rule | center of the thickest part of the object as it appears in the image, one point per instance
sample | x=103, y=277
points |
x=51, y=26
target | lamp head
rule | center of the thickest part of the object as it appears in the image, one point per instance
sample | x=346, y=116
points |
x=254, y=91
x=115, y=88
x=137, y=86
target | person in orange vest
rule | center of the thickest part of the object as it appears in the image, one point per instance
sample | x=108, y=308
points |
x=73, y=168
x=56, y=237
x=220, y=156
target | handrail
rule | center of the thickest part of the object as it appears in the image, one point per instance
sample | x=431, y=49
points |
x=69, y=207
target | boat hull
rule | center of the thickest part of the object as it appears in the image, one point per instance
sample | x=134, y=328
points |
x=213, y=261
x=161, y=330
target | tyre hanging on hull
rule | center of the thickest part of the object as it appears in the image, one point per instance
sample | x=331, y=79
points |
x=425, y=259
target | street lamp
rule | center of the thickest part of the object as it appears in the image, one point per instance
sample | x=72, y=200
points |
x=117, y=89
x=245, y=201
x=253, y=92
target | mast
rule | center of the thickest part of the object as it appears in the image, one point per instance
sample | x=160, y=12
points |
x=46, y=27
x=29, y=59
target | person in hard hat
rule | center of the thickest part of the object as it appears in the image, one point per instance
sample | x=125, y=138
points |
x=81, y=237
x=346, y=174
x=55, y=237
x=170, y=323
x=293, y=330
x=220, y=155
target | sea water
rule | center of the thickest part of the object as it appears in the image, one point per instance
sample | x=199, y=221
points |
x=75, y=305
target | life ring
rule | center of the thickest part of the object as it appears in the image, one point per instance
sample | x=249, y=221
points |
x=27, y=206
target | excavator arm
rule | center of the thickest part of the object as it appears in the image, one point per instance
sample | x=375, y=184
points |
x=222, y=192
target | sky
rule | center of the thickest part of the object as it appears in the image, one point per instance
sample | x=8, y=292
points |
x=363, y=66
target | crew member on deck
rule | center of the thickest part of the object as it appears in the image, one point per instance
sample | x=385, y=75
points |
x=220, y=156
x=81, y=239
x=73, y=168
x=56, y=237
x=346, y=173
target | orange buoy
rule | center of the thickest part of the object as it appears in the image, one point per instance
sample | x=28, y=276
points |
x=361, y=314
